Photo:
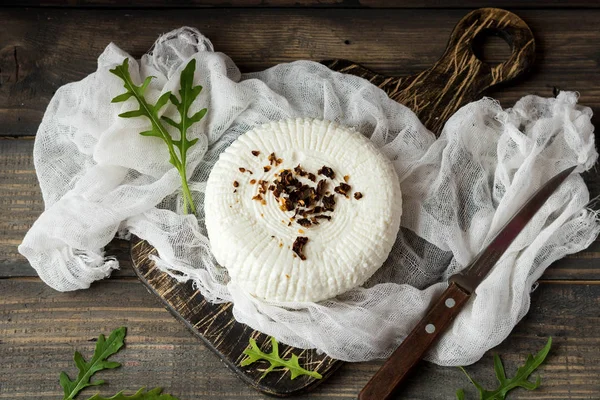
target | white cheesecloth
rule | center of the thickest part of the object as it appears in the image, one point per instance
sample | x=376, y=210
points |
x=99, y=178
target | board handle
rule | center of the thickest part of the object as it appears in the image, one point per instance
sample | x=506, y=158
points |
x=460, y=50
x=385, y=382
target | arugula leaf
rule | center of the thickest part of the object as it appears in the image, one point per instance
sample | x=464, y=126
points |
x=188, y=93
x=154, y=394
x=254, y=353
x=506, y=384
x=104, y=349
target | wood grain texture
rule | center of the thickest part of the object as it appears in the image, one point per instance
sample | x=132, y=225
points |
x=37, y=41
x=20, y=205
x=511, y=4
x=459, y=76
x=40, y=329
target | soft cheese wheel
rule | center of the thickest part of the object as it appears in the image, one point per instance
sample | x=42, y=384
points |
x=254, y=239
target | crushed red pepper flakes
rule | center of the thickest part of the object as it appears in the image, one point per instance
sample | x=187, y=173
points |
x=321, y=188
x=285, y=204
x=242, y=169
x=298, y=246
x=308, y=203
x=263, y=186
x=329, y=202
x=305, y=222
x=255, y=153
x=343, y=189
x=326, y=171
x=236, y=184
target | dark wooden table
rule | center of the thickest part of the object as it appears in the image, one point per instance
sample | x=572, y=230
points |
x=45, y=44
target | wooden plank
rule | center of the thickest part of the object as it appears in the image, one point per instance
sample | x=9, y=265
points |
x=37, y=41
x=40, y=329
x=511, y=4
x=20, y=205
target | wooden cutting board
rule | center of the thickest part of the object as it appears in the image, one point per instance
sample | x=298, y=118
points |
x=434, y=95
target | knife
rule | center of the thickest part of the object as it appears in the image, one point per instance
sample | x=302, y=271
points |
x=461, y=286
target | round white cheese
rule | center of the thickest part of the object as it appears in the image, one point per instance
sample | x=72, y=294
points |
x=253, y=237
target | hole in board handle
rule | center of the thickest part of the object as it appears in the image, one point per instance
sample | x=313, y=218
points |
x=492, y=46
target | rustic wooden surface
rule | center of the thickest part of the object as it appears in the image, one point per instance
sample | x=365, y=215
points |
x=434, y=95
x=43, y=48
x=512, y=4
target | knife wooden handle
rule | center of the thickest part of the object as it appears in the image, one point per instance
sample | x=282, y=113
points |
x=383, y=384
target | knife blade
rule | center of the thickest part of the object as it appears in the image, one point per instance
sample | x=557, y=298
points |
x=441, y=314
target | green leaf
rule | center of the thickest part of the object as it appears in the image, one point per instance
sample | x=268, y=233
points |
x=145, y=84
x=499, y=369
x=199, y=115
x=170, y=122
x=188, y=93
x=254, y=354
x=460, y=394
x=122, y=97
x=104, y=349
x=162, y=100
x=154, y=394
x=132, y=114
x=507, y=384
x=150, y=133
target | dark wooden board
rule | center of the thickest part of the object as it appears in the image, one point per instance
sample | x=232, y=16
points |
x=435, y=94
x=41, y=328
x=459, y=76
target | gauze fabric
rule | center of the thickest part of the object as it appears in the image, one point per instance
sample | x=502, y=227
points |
x=99, y=178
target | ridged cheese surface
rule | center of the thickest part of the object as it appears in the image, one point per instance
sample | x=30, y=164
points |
x=254, y=240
